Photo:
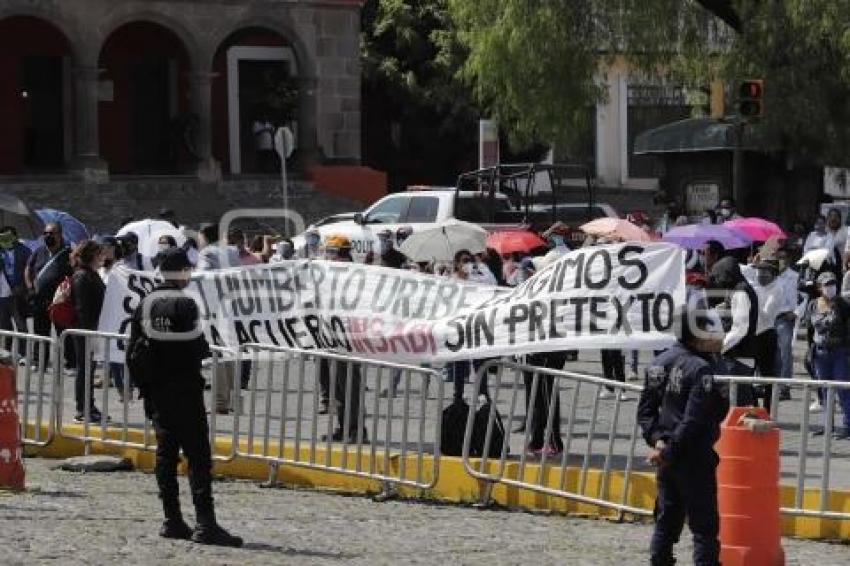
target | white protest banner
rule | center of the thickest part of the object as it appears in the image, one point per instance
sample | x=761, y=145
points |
x=616, y=296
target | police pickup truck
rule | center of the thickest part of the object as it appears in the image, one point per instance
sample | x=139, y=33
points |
x=419, y=208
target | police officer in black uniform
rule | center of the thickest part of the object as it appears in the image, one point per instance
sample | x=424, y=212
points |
x=174, y=399
x=679, y=412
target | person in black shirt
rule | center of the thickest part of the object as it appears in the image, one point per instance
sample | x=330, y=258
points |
x=46, y=268
x=87, y=291
x=174, y=399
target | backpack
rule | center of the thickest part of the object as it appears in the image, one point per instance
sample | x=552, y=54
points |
x=61, y=309
x=453, y=427
x=479, y=433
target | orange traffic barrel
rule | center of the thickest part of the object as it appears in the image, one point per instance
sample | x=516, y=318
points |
x=11, y=466
x=748, y=490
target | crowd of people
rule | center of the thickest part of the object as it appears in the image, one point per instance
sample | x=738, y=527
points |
x=760, y=338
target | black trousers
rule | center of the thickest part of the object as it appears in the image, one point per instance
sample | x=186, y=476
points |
x=180, y=421
x=613, y=366
x=346, y=380
x=687, y=491
x=80, y=379
x=542, y=399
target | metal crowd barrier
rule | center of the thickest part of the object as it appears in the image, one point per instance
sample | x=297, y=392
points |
x=123, y=413
x=799, y=443
x=582, y=449
x=35, y=386
x=386, y=439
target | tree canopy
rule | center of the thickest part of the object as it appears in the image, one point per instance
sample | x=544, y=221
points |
x=535, y=64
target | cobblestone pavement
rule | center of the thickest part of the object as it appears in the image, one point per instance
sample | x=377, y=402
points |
x=73, y=518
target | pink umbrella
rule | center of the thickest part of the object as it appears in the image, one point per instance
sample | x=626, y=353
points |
x=757, y=229
x=615, y=228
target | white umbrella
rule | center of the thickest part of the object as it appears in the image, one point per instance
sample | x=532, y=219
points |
x=815, y=258
x=442, y=242
x=149, y=232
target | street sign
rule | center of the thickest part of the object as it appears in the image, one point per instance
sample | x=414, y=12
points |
x=284, y=142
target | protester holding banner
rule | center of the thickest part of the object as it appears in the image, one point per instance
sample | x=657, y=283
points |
x=544, y=396
x=343, y=378
x=87, y=292
x=48, y=265
x=457, y=372
x=212, y=254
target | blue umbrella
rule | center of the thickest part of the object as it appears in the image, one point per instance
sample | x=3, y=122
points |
x=696, y=236
x=73, y=230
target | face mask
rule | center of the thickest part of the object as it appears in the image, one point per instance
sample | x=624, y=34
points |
x=725, y=212
x=557, y=241
x=764, y=279
x=829, y=291
x=312, y=241
x=286, y=250
x=7, y=241
x=163, y=247
x=385, y=247
x=820, y=228
x=50, y=241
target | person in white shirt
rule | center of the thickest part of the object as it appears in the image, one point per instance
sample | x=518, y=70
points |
x=748, y=320
x=263, y=131
x=829, y=235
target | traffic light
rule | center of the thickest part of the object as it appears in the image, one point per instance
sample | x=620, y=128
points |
x=751, y=99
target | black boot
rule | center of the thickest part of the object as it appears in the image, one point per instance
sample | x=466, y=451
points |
x=174, y=526
x=215, y=535
x=208, y=531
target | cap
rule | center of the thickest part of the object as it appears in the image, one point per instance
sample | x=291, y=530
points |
x=173, y=259
x=825, y=278
x=337, y=241
x=128, y=237
x=386, y=233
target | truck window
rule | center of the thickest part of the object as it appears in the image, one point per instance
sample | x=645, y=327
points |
x=391, y=211
x=423, y=209
x=480, y=209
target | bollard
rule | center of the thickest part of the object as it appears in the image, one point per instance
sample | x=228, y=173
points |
x=748, y=489
x=11, y=466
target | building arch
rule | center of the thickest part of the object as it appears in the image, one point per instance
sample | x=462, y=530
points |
x=67, y=27
x=131, y=13
x=281, y=26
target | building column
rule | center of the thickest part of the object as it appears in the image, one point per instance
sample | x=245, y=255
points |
x=87, y=161
x=209, y=169
x=307, y=150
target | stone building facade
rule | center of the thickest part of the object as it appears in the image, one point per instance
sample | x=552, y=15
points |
x=99, y=88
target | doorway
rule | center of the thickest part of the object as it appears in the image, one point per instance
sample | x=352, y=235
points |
x=253, y=74
x=43, y=131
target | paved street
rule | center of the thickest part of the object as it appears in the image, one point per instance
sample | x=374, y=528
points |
x=68, y=517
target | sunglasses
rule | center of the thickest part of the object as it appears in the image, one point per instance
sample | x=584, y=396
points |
x=49, y=234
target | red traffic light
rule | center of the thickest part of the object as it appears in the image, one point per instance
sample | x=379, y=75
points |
x=750, y=95
x=751, y=89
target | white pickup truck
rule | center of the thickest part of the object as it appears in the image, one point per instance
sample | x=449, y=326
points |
x=419, y=208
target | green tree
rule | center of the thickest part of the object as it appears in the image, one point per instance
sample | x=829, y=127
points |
x=535, y=63
x=420, y=122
